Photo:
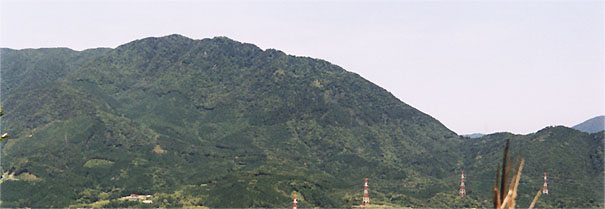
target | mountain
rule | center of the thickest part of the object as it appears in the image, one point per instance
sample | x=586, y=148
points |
x=219, y=123
x=573, y=161
x=225, y=122
x=593, y=125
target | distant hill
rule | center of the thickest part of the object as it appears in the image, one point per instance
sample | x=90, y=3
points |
x=593, y=125
x=224, y=124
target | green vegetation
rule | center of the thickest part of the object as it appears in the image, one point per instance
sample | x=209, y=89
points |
x=572, y=159
x=98, y=163
x=219, y=123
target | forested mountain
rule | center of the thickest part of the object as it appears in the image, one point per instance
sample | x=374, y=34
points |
x=220, y=123
x=593, y=125
x=573, y=161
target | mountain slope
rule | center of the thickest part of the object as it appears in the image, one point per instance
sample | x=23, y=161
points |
x=592, y=125
x=224, y=115
x=220, y=123
x=572, y=159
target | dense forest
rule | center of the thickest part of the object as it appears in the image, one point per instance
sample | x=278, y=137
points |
x=219, y=123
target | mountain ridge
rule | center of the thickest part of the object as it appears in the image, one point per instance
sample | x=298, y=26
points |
x=219, y=123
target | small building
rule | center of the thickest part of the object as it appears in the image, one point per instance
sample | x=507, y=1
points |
x=147, y=201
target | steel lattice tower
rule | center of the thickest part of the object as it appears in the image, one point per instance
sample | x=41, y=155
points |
x=366, y=196
x=462, y=191
x=545, y=188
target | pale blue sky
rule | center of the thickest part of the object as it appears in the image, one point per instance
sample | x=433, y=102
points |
x=477, y=66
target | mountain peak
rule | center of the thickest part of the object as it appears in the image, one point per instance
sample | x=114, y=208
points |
x=173, y=39
x=175, y=35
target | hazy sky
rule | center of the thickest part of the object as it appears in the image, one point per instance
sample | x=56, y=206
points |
x=475, y=66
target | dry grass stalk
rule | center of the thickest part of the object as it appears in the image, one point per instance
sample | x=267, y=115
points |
x=511, y=195
x=535, y=199
x=496, y=198
x=505, y=171
x=507, y=197
x=516, y=185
